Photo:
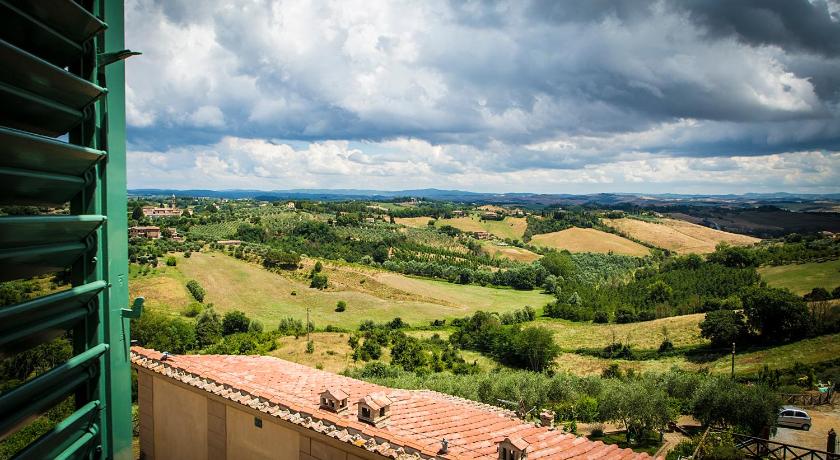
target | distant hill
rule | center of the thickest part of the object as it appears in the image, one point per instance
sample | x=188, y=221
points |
x=759, y=214
x=602, y=199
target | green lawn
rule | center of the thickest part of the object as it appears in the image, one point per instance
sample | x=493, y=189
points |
x=370, y=294
x=801, y=278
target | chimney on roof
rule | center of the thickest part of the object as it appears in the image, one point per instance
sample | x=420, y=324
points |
x=375, y=409
x=512, y=449
x=547, y=418
x=334, y=400
x=444, y=446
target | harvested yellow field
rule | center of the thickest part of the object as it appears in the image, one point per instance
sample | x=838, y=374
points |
x=510, y=252
x=417, y=222
x=678, y=235
x=465, y=224
x=589, y=240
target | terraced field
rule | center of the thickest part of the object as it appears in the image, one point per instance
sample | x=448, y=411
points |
x=678, y=235
x=370, y=294
x=589, y=240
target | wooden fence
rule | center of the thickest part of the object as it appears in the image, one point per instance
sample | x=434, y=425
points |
x=808, y=399
x=753, y=447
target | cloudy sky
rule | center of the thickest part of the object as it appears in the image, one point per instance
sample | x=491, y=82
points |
x=690, y=96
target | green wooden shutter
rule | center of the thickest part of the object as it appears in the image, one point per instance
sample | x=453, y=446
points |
x=62, y=140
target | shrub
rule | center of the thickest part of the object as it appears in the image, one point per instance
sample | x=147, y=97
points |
x=243, y=343
x=235, y=321
x=624, y=315
x=666, y=345
x=192, y=310
x=617, y=350
x=369, y=350
x=612, y=372
x=341, y=306
x=310, y=347
x=533, y=348
x=408, y=353
x=397, y=323
x=835, y=293
x=256, y=326
x=208, y=327
x=187, y=254
x=601, y=317
x=158, y=331
x=171, y=261
x=319, y=281
x=196, y=290
x=815, y=295
x=291, y=326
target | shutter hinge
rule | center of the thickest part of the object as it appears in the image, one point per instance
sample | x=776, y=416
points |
x=135, y=310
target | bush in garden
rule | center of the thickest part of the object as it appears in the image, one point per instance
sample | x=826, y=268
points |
x=341, y=306
x=171, y=261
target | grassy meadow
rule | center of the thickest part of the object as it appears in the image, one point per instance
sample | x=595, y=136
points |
x=370, y=294
x=801, y=278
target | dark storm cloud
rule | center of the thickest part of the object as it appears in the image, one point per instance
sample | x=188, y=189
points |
x=790, y=24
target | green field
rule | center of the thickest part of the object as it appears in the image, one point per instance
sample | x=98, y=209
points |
x=801, y=278
x=510, y=227
x=370, y=294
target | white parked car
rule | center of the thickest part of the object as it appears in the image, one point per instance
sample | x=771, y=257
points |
x=794, y=417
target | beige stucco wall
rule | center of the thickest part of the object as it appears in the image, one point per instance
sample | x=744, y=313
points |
x=272, y=441
x=180, y=422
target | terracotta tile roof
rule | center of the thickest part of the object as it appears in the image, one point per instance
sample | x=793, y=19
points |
x=420, y=419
